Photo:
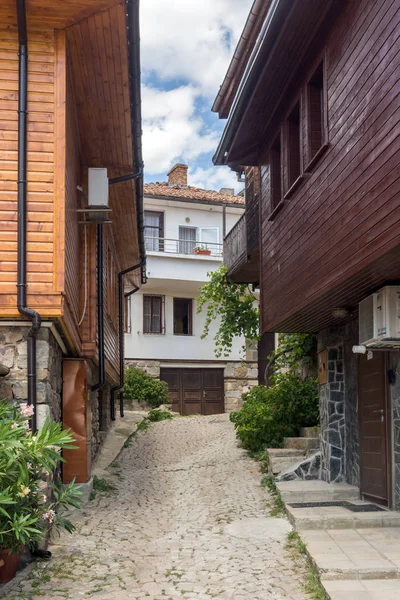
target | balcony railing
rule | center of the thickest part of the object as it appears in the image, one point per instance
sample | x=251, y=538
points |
x=235, y=245
x=188, y=247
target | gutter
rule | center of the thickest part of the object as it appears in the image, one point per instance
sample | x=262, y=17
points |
x=133, y=32
x=277, y=12
x=258, y=7
x=121, y=337
x=22, y=206
x=100, y=309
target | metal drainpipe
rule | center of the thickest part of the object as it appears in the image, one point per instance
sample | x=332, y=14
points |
x=22, y=206
x=100, y=308
x=115, y=389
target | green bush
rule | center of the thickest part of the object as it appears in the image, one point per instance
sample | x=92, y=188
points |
x=270, y=414
x=159, y=415
x=144, y=388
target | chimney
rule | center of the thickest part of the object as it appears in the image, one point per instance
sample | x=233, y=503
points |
x=178, y=175
x=227, y=191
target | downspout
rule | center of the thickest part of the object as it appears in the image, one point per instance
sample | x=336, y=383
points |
x=22, y=206
x=133, y=33
x=121, y=335
x=100, y=308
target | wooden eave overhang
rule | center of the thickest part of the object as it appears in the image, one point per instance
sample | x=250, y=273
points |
x=57, y=14
x=287, y=39
x=98, y=56
x=100, y=36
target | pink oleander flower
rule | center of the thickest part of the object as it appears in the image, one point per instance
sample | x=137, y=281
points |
x=14, y=425
x=49, y=515
x=26, y=409
x=44, y=498
x=29, y=466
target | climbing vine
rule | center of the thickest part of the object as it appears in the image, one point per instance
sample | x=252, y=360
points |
x=231, y=304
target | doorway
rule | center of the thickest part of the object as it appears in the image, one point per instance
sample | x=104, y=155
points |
x=375, y=421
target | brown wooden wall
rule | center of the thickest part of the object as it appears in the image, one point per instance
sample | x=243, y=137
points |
x=327, y=245
x=41, y=227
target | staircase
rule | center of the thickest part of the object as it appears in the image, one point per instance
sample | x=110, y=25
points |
x=295, y=451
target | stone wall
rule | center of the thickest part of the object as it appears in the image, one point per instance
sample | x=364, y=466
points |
x=239, y=377
x=14, y=386
x=338, y=406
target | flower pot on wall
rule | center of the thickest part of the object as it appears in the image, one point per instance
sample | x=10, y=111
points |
x=8, y=565
x=202, y=251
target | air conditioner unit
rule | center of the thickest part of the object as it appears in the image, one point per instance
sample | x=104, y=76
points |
x=379, y=319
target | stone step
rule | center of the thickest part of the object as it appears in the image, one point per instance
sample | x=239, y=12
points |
x=301, y=443
x=308, y=467
x=339, y=517
x=281, y=463
x=310, y=432
x=356, y=554
x=316, y=491
x=280, y=452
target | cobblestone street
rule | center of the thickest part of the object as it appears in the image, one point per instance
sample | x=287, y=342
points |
x=187, y=520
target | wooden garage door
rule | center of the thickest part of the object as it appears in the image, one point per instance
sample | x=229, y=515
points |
x=195, y=391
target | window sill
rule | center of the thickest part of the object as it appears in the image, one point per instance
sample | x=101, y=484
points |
x=276, y=210
x=316, y=157
x=293, y=187
x=153, y=334
x=184, y=334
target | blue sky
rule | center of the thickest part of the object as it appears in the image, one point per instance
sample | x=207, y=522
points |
x=186, y=48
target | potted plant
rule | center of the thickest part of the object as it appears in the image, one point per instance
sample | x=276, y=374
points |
x=202, y=250
x=27, y=460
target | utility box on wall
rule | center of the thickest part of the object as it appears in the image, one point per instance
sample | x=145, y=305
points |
x=76, y=417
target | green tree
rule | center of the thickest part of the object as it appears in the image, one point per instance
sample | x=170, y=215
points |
x=233, y=305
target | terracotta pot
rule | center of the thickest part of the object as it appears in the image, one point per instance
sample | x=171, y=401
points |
x=8, y=565
x=204, y=252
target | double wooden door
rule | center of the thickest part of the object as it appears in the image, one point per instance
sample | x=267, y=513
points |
x=195, y=391
x=374, y=419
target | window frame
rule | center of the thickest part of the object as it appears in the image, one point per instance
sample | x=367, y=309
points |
x=160, y=228
x=276, y=199
x=190, y=317
x=292, y=182
x=127, y=314
x=161, y=330
x=312, y=157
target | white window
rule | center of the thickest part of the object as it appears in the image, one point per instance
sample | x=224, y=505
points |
x=187, y=240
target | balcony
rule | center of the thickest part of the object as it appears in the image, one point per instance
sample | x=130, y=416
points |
x=241, y=250
x=184, y=248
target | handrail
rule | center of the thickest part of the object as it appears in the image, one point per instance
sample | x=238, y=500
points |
x=179, y=246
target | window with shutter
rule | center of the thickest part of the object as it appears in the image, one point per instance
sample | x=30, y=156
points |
x=153, y=314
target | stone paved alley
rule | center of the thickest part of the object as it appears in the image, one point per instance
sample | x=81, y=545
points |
x=187, y=520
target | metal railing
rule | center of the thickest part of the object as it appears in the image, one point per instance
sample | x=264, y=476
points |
x=188, y=247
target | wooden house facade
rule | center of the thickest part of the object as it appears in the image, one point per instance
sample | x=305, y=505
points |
x=317, y=112
x=83, y=112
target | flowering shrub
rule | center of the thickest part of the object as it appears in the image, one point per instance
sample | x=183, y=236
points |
x=26, y=461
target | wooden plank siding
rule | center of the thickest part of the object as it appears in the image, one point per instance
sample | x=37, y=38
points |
x=40, y=187
x=324, y=246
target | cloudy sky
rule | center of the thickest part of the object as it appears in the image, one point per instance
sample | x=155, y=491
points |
x=186, y=49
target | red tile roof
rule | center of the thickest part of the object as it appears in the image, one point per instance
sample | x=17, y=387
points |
x=189, y=192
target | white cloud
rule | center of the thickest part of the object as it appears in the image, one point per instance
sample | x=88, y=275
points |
x=171, y=129
x=214, y=178
x=186, y=45
x=191, y=39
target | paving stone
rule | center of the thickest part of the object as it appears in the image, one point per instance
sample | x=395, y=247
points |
x=187, y=520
